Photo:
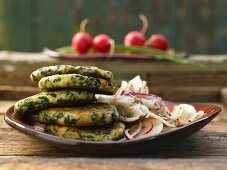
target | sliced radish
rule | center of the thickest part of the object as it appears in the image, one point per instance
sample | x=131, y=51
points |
x=146, y=127
x=146, y=110
x=131, y=119
x=103, y=98
x=141, y=94
x=124, y=101
x=156, y=128
x=133, y=131
x=121, y=89
x=185, y=113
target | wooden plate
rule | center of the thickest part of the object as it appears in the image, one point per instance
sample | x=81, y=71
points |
x=104, y=56
x=30, y=126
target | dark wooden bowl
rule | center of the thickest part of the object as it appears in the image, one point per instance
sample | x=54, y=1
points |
x=31, y=127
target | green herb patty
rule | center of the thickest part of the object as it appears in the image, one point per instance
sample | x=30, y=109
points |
x=105, y=133
x=77, y=81
x=45, y=100
x=88, y=115
x=68, y=69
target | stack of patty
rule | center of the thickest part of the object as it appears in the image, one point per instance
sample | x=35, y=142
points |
x=67, y=104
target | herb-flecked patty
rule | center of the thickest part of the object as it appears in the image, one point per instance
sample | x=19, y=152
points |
x=68, y=69
x=45, y=100
x=77, y=81
x=105, y=133
x=88, y=115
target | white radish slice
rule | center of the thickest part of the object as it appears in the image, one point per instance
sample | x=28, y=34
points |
x=128, y=135
x=133, y=131
x=156, y=129
x=199, y=114
x=136, y=114
x=129, y=120
x=103, y=98
x=125, y=101
x=146, y=110
x=146, y=127
x=121, y=89
x=136, y=84
x=152, y=103
x=185, y=113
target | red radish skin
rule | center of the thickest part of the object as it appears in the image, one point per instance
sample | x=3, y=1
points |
x=136, y=38
x=82, y=41
x=159, y=41
x=102, y=43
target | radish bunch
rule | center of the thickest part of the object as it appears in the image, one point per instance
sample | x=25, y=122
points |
x=138, y=38
x=83, y=41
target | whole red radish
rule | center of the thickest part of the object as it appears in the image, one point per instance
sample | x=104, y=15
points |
x=159, y=41
x=137, y=38
x=82, y=41
x=103, y=43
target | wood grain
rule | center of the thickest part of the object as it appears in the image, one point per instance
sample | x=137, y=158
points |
x=224, y=95
x=4, y=105
x=111, y=164
x=201, y=144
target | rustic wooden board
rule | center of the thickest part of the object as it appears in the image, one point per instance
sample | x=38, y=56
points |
x=111, y=164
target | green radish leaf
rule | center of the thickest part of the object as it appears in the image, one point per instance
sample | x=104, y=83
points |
x=66, y=49
x=159, y=54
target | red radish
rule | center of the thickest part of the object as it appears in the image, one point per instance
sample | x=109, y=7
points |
x=136, y=38
x=82, y=41
x=159, y=41
x=103, y=43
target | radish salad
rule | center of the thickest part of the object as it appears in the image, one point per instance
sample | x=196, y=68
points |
x=146, y=114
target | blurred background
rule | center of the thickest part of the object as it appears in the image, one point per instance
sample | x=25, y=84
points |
x=195, y=26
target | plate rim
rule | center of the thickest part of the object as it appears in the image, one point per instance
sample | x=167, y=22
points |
x=104, y=56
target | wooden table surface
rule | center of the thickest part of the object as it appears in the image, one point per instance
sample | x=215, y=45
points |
x=206, y=149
